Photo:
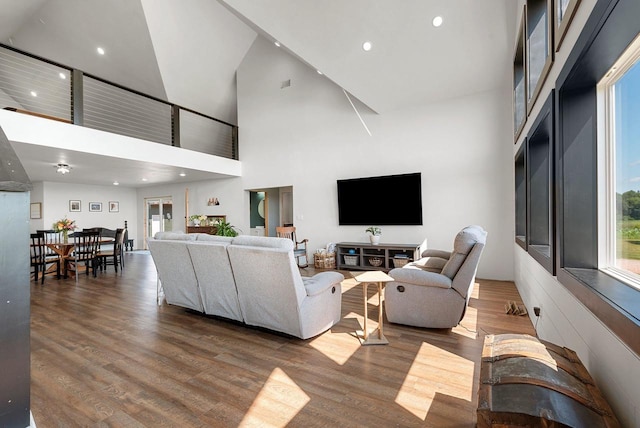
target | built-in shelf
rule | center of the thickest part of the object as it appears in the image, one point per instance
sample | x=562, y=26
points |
x=540, y=185
x=521, y=196
x=366, y=256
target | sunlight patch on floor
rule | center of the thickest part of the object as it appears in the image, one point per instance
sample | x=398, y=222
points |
x=468, y=327
x=338, y=346
x=416, y=393
x=278, y=402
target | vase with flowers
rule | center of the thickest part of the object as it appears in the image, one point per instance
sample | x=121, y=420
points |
x=64, y=225
x=196, y=219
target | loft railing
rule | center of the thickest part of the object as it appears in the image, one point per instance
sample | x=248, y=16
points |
x=38, y=86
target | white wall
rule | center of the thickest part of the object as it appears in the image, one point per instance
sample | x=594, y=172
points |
x=37, y=196
x=229, y=192
x=308, y=136
x=55, y=205
x=564, y=320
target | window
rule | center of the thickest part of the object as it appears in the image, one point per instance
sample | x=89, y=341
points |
x=519, y=86
x=521, y=196
x=540, y=182
x=619, y=106
x=539, y=52
x=564, y=13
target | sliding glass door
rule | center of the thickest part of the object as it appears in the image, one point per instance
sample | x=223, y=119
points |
x=158, y=216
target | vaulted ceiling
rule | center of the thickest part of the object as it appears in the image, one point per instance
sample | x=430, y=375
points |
x=187, y=52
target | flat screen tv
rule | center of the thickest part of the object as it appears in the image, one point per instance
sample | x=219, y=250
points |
x=391, y=200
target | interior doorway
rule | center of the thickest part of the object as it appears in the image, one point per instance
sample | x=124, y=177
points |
x=268, y=208
x=158, y=216
x=259, y=213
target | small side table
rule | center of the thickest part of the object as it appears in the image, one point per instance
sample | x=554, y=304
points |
x=128, y=245
x=376, y=337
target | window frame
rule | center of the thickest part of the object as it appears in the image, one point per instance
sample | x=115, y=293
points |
x=609, y=30
x=540, y=173
x=544, y=8
x=520, y=75
x=607, y=218
x=563, y=22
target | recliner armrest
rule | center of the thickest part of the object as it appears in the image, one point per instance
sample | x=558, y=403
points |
x=420, y=277
x=320, y=282
x=437, y=253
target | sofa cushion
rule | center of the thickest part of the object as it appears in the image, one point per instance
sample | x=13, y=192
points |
x=261, y=241
x=431, y=264
x=213, y=238
x=174, y=236
x=418, y=277
x=175, y=273
x=462, y=245
x=215, y=278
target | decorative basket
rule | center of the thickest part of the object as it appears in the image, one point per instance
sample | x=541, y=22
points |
x=324, y=260
x=375, y=261
x=400, y=262
x=351, y=260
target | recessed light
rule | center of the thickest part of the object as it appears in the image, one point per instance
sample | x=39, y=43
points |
x=367, y=46
x=100, y=51
x=144, y=179
x=437, y=21
x=62, y=76
x=182, y=174
x=115, y=183
x=319, y=72
x=34, y=94
x=277, y=43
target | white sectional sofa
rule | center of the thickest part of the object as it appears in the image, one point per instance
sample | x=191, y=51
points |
x=251, y=279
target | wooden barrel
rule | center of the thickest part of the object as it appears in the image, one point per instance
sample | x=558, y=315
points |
x=525, y=381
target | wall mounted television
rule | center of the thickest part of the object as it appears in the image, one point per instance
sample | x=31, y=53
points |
x=390, y=200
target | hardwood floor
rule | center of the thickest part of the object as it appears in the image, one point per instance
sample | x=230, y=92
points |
x=104, y=354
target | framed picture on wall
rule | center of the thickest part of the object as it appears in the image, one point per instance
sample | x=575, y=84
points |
x=36, y=210
x=114, y=206
x=95, y=206
x=74, y=206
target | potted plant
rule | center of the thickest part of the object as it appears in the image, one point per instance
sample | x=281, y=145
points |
x=196, y=219
x=226, y=229
x=375, y=232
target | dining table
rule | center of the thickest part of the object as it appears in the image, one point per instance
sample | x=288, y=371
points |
x=63, y=250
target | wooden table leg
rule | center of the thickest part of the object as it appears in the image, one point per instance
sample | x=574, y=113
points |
x=376, y=337
x=365, y=333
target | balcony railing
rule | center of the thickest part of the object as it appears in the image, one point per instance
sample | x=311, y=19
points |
x=35, y=85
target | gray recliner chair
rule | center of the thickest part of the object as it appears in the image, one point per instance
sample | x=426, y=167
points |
x=434, y=291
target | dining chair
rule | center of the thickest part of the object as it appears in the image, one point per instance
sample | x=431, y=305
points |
x=300, y=247
x=51, y=258
x=115, y=253
x=85, y=251
x=38, y=250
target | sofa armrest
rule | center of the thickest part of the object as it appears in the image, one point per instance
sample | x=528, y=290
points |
x=420, y=277
x=321, y=282
x=437, y=253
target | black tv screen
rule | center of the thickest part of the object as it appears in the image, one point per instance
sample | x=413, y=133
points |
x=391, y=200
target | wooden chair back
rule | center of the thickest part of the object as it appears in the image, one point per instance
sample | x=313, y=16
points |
x=300, y=247
x=37, y=255
x=50, y=236
x=85, y=250
x=288, y=232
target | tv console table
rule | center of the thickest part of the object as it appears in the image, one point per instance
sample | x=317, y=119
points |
x=365, y=256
